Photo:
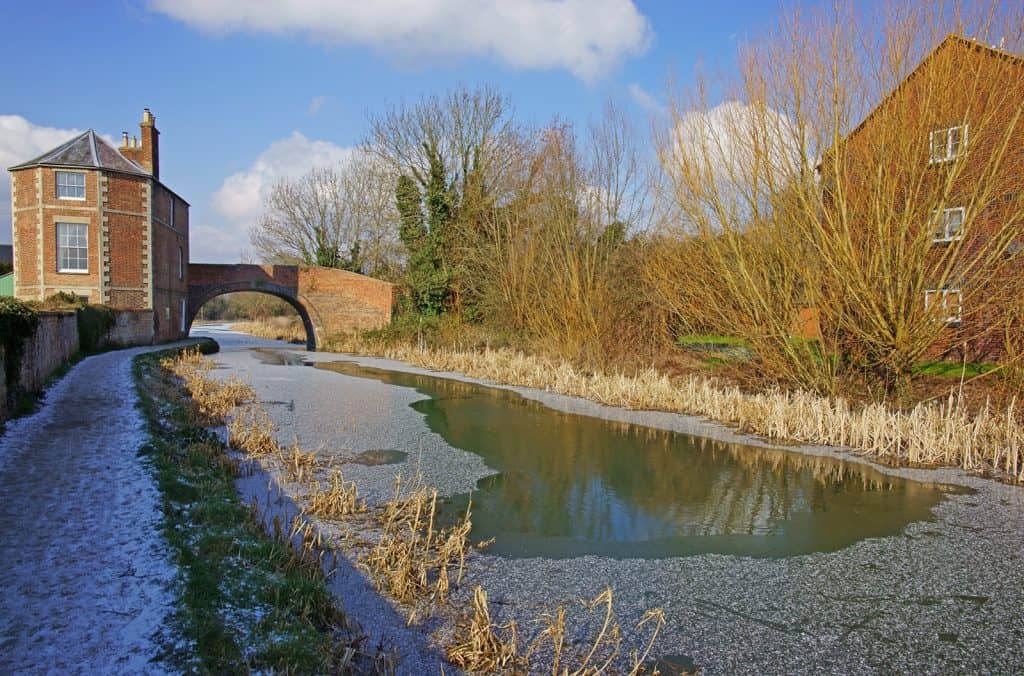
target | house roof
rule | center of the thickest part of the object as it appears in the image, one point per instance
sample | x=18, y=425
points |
x=951, y=41
x=87, y=150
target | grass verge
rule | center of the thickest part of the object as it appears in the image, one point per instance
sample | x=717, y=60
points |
x=249, y=602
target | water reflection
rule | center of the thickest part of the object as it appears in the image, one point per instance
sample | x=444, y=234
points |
x=570, y=484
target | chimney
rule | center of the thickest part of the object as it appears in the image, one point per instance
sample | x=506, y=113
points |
x=149, y=150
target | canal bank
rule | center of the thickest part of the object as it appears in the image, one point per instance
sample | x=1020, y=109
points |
x=940, y=595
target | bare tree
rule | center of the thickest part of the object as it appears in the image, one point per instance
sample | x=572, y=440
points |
x=339, y=217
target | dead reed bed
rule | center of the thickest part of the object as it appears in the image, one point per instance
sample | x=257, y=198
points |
x=299, y=465
x=931, y=433
x=252, y=431
x=274, y=328
x=415, y=560
x=214, y=398
x=337, y=500
x=481, y=646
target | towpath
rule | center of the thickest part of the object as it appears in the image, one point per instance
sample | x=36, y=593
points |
x=86, y=579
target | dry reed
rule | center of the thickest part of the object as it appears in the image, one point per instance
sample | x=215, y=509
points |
x=251, y=430
x=275, y=328
x=477, y=646
x=415, y=559
x=214, y=399
x=480, y=645
x=942, y=432
x=338, y=500
x=298, y=464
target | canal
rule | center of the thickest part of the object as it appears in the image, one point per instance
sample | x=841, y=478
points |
x=765, y=559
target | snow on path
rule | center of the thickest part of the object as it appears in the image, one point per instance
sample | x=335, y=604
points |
x=86, y=578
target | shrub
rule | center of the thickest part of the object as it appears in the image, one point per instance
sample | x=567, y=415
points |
x=94, y=322
x=62, y=300
x=18, y=321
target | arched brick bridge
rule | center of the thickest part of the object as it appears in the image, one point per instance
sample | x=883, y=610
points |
x=328, y=301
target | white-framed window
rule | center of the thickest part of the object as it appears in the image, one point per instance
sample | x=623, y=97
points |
x=951, y=301
x=947, y=144
x=72, y=247
x=948, y=224
x=70, y=185
x=181, y=263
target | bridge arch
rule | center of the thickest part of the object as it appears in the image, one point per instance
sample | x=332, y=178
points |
x=328, y=301
x=198, y=301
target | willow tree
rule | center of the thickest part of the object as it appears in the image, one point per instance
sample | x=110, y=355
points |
x=861, y=172
x=556, y=261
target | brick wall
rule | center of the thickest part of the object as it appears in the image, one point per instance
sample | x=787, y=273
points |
x=126, y=218
x=131, y=327
x=37, y=210
x=3, y=386
x=25, y=230
x=55, y=341
x=346, y=301
x=170, y=262
x=335, y=300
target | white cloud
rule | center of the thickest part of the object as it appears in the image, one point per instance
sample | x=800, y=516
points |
x=645, y=99
x=316, y=104
x=20, y=141
x=724, y=141
x=239, y=199
x=585, y=37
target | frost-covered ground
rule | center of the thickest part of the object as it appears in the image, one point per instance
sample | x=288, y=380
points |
x=86, y=580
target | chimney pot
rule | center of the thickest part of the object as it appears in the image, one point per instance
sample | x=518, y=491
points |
x=135, y=141
x=124, y=139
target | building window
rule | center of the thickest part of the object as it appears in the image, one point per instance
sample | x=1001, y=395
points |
x=170, y=217
x=72, y=247
x=947, y=144
x=70, y=185
x=949, y=301
x=949, y=224
x=182, y=304
x=181, y=263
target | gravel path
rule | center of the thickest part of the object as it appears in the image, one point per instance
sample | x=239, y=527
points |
x=86, y=580
x=943, y=596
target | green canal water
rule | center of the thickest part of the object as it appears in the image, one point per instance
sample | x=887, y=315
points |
x=569, y=485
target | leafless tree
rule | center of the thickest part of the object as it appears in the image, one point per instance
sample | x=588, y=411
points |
x=340, y=217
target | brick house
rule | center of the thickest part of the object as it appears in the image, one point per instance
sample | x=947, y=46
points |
x=942, y=148
x=96, y=221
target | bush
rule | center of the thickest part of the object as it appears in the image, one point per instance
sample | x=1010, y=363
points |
x=94, y=323
x=62, y=300
x=18, y=321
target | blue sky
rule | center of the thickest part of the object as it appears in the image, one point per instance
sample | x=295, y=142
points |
x=245, y=96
